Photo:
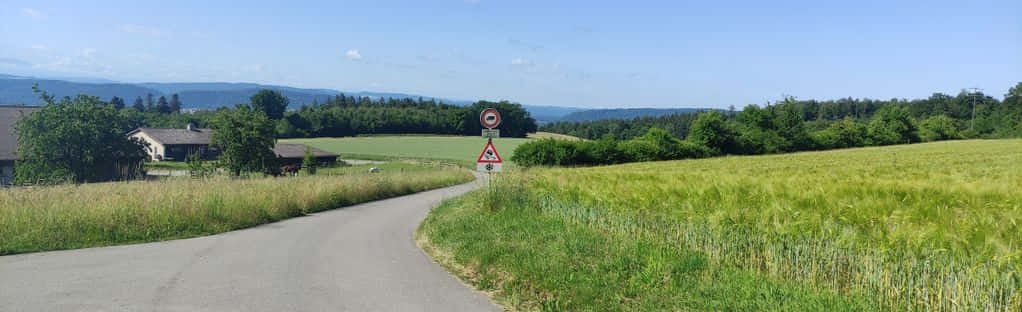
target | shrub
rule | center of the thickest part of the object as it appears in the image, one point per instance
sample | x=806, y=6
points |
x=548, y=152
x=843, y=134
x=892, y=125
x=938, y=128
x=712, y=130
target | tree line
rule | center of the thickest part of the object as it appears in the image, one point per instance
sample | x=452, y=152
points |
x=788, y=126
x=350, y=116
x=993, y=118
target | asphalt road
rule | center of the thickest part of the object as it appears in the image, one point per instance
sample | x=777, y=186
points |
x=360, y=258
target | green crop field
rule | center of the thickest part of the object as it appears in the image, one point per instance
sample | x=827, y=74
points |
x=458, y=148
x=924, y=227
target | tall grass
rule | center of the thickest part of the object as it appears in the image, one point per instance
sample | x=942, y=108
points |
x=930, y=227
x=76, y=216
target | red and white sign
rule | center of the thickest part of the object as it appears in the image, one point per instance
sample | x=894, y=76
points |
x=490, y=118
x=489, y=160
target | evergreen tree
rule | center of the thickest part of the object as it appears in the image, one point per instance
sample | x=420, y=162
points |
x=175, y=104
x=117, y=103
x=162, y=106
x=138, y=105
x=150, y=106
x=270, y=102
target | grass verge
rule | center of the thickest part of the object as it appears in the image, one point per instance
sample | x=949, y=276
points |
x=78, y=216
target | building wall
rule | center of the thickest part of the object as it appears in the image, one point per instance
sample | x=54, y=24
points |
x=155, y=148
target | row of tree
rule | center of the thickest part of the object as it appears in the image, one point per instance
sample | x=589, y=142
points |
x=993, y=118
x=162, y=105
x=778, y=128
x=342, y=116
x=348, y=116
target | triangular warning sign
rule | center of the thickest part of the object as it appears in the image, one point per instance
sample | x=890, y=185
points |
x=489, y=155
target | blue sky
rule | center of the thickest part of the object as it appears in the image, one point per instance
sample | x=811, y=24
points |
x=567, y=53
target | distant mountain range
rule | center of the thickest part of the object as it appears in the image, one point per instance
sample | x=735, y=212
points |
x=211, y=95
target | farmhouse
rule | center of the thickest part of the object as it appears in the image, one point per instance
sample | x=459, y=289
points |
x=295, y=153
x=175, y=144
x=9, y=115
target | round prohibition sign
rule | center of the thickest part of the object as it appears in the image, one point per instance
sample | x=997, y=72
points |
x=490, y=118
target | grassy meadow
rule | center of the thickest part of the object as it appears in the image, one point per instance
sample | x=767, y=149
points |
x=76, y=216
x=924, y=227
x=461, y=149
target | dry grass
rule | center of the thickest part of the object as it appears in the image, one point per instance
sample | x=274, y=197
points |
x=76, y=216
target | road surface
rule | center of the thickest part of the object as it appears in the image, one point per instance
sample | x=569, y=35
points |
x=360, y=258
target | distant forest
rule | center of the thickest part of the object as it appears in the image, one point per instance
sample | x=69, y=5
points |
x=993, y=118
x=342, y=115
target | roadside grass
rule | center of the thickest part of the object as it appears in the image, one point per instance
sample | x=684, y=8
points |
x=463, y=150
x=89, y=215
x=925, y=227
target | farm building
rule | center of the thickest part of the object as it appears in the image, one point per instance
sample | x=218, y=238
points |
x=295, y=153
x=9, y=115
x=175, y=144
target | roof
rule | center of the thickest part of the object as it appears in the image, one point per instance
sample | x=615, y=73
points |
x=286, y=150
x=172, y=136
x=9, y=115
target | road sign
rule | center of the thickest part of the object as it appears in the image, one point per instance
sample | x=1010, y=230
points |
x=491, y=133
x=490, y=118
x=489, y=160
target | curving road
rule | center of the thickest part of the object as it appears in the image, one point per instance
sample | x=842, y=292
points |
x=359, y=258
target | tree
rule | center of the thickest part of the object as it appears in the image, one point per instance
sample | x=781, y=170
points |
x=150, y=106
x=712, y=130
x=245, y=138
x=271, y=103
x=138, y=105
x=117, y=103
x=162, y=106
x=938, y=128
x=892, y=125
x=515, y=121
x=175, y=104
x=309, y=161
x=842, y=134
x=76, y=140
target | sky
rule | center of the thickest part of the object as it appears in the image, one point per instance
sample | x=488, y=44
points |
x=565, y=53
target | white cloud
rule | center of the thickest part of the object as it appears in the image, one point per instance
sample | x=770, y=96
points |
x=33, y=13
x=375, y=85
x=353, y=55
x=520, y=62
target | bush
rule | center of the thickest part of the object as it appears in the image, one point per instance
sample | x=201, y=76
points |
x=712, y=130
x=938, y=128
x=548, y=152
x=640, y=150
x=892, y=125
x=843, y=134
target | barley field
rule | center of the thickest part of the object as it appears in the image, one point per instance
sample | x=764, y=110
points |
x=77, y=216
x=925, y=227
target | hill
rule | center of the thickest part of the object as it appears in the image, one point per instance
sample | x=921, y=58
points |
x=625, y=113
x=209, y=95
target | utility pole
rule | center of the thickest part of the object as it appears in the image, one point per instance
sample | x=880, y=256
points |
x=975, y=92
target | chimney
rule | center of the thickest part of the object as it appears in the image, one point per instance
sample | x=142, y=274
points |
x=190, y=127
